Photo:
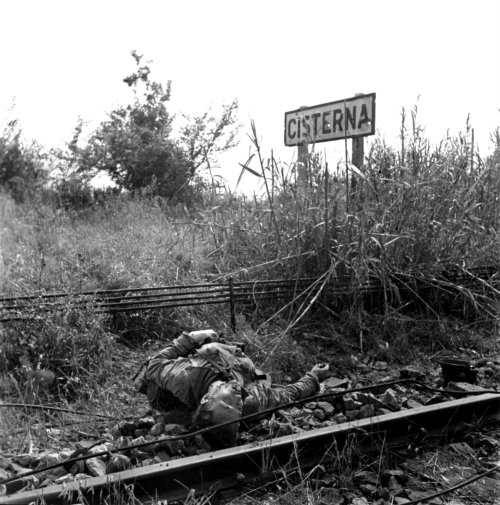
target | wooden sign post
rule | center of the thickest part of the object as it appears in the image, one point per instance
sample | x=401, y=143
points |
x=349, y=118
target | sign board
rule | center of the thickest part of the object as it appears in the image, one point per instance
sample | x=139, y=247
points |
x=348, y=118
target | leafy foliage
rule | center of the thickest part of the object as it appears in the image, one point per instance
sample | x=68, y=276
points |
x=135, y=146
x=206, y=136
x=21, y=166
x=72, y=344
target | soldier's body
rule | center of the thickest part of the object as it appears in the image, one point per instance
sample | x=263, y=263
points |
x=216, y=382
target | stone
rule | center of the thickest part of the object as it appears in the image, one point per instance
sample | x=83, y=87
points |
x=382, y=411
x=146, y=423
x=96, y=467
x=464, y=387
x=202, y=443
x=418, y=495
x=117, y=463
x=339, y=418
x=327, y=408
x=48, y=459
x=351, y=414
x=173, y=447
x=173, y=429
x=5, y=463
x=319, y=414
x=64, y=479
x=366, y=411
x=138, y=455
x=380, y=365
x=157, y=429
x=98, y=449
x=433, y=400
x=366, y=477
x=82, y=476
x=107, y=435
x=351, y=404
x=85, y=443
x=399, y=475
x=126, y=427
x=462, y=449
x=410, y=403
x=400, y=500
x=20, y=470
x=148, y=449
x=368, y=489
x=410, y=372
x=28, y=460
x=383, y=494
x=122, y=442
x=335, y=382
x=359, y=501
x=163, y=456
x=393, y=484
x=389, y=398
x=77, y=467
x=365, y=398
x=52, y=459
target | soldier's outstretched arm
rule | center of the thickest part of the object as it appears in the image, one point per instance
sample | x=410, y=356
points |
x=262, y=397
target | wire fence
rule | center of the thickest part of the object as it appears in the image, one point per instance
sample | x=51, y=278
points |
x=484, y=281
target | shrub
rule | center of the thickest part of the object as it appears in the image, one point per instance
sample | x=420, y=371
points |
x=71, y=343
x=21, y=166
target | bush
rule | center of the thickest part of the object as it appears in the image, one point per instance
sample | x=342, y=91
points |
x=72, y=344
x=21, y=166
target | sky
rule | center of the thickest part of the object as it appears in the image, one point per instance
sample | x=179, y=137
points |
x=65, y=59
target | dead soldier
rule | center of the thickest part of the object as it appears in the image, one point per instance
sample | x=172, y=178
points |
x=216, y=383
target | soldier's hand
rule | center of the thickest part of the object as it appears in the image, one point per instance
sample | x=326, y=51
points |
x=202, y=337
x=321, y=371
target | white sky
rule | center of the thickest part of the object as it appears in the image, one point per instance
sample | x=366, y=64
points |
x=62, y=59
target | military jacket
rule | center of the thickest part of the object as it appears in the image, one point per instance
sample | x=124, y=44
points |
x=179, y=376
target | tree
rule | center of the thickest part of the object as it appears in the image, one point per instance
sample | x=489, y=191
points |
x=135, y=144
x=207, y=136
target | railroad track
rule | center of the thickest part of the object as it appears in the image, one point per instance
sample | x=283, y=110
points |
x=237, y=468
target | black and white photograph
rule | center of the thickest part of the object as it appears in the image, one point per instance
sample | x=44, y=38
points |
x=250, y=252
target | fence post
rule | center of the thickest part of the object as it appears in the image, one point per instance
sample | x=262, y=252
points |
x=232, y=305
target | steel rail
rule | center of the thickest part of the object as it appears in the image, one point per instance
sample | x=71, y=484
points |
x=229, y=468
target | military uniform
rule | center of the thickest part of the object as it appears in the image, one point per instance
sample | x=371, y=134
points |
x=180, y=375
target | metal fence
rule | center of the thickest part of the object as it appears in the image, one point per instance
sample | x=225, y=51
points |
x=232, y=293
x=248, y=293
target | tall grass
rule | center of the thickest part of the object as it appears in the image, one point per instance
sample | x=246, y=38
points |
x=410, y=211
